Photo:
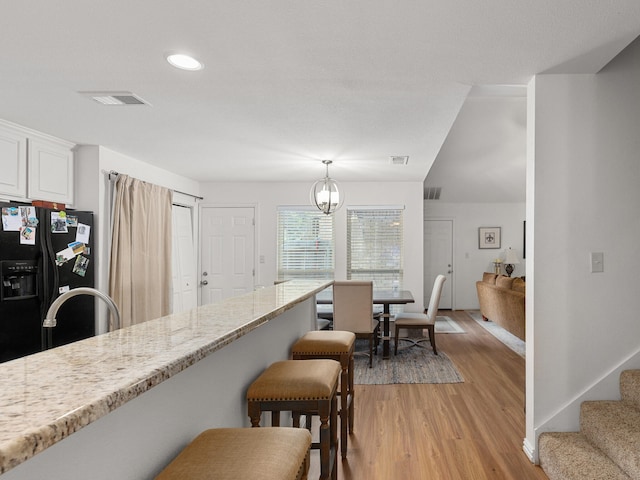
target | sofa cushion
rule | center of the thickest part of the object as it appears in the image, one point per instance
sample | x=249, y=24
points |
x=519, y=285
x=504, y=282
x=489, y=278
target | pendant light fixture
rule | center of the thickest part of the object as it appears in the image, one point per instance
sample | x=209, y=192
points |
x=325, y=194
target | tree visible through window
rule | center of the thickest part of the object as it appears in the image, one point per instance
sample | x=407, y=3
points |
x=305, y=244
x=375, y=246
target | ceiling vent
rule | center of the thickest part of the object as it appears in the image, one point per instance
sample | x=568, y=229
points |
x=432, y=193
x=399, y=160
x=115, y=98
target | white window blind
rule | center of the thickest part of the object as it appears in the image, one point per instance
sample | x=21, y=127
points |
x=375, y=246
x=305, y=244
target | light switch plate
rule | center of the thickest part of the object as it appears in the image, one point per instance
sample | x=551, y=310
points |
x=597, y=262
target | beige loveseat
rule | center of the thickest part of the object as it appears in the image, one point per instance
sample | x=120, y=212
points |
x=502, y=301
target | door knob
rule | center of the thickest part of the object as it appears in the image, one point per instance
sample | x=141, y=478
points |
x=204, y=282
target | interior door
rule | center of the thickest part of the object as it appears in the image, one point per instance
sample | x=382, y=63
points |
x=185, y=293
x=438, y=259
x=227, y=265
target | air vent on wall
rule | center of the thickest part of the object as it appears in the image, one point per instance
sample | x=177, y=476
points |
x=399, y=159
x=432, y=193
x=115, y=98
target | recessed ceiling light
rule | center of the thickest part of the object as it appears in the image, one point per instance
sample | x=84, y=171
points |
x=185, y=62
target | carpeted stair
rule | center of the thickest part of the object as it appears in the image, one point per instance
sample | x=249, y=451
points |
x=608, y=444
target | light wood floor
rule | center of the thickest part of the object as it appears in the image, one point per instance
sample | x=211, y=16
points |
x=471, y=430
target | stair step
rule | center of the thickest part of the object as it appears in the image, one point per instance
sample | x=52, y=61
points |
x=614, y=427
x=630, y=386
x=570, y=456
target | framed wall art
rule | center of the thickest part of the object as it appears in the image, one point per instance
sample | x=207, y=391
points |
x=489, y=237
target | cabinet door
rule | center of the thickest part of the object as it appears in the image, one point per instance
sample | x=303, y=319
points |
x=50, y=171
x=13, y=163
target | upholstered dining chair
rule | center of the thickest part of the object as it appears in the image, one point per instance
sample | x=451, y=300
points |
x=323, y=321
x=353, y=311
x=421, y=321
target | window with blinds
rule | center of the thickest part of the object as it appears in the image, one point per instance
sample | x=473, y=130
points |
x=375, y=246
x=305, y=243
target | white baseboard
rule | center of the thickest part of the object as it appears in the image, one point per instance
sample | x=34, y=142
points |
x=530, y=451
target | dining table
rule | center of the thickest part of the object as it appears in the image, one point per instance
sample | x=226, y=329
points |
x=383, y=296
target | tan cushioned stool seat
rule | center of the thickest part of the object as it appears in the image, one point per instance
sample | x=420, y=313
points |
x=330, y=342
x=406, y=318
x=242, y=453
x=300, y=379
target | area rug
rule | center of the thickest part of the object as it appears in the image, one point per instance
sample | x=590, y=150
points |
x=411, y=365
x=447, y=325
x=510, y=340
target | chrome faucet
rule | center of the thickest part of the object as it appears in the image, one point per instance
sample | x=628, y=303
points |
x=50, y=318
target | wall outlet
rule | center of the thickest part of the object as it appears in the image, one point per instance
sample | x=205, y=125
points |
x=597, y=262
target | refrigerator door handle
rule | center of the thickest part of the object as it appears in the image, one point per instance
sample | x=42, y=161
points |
x=45, y=334
x=50, y=275
x=44, y=274
x=51, y=257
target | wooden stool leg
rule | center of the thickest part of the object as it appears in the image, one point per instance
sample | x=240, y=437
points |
x=352, y=393
x=296, y=419
x=325, y=445
x=334, y=437
x=254, y=413
x=275, y=418
x=344, y=408
x=328, y=413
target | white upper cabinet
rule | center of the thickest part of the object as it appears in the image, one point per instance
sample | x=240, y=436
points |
x=13, y=163
x=50, y=171
x=35, y=166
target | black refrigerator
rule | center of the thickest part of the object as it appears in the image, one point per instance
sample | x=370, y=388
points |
x=43, y=253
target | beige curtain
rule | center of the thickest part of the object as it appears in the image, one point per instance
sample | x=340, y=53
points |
x=140, y=269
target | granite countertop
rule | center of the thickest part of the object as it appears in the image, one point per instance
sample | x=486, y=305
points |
x=47, y=396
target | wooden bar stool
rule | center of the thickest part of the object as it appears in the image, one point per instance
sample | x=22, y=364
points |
x=335, y=345
x=233, y=453
x=301, y=386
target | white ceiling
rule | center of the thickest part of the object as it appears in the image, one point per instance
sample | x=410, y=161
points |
x=287, y=83
x=483, y=159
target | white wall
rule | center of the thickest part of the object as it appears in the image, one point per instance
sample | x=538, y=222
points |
x=268, y=196
x=469, y=261
x=93, y=193
x=586, y=171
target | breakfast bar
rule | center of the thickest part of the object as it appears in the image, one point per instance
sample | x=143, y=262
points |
x=122, y=404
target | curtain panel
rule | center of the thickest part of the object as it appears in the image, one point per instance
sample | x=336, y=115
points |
x=140, y=267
